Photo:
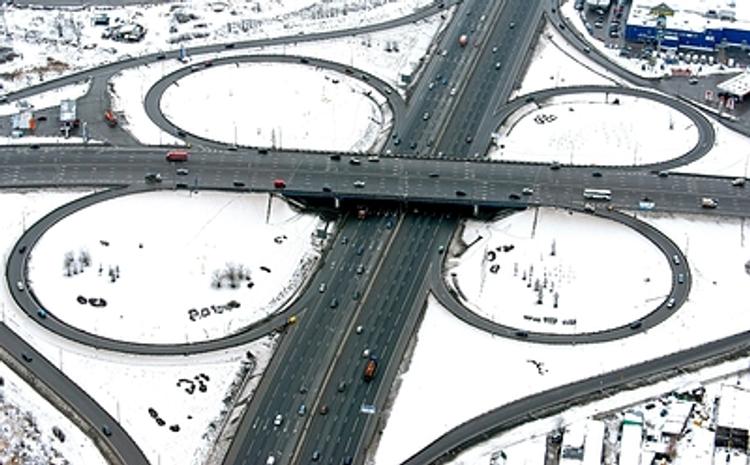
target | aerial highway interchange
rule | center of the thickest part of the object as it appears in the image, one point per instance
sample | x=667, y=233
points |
x=430, y=174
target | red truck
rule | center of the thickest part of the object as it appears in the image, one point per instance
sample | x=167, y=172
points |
x=177, y=155
x=370, y=369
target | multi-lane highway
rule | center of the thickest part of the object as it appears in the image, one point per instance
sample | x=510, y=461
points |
x=378, y=270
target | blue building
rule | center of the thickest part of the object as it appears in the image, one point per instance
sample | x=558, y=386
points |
x=688, y=24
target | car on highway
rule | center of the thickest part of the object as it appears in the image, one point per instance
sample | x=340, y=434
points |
x=596, y=174
x=497, y=65
x=373, y=159
x=527, y=191
x=453, y=91
x=334, y=303
x=20, y=286
x=347, y=461
x=153, y=177
x=460, y=193
x=355, y=161
x=366, y=353
x=359, y=184
x=237, y=183
x=359, y=329
x=323, y=409
x=514, y=196
x=335, y=157
x=271, y=460
x=738, y=182
x=315, y=456
x=635, y=325
x=494, y=49
x=22, y=250
x=341, y=386
x=26, y=357
x=469, y=139
x=680, y=278
x=555, y=165
x=107, y=432
x=426, y=116
x=182, y=171
x=434, y=175
x=676, y=259
x=278, y=420
x=356, y=295
x=326, y=188
x=301, y=410
x=42, y=313
x=670, y=302
x=279, y=183
x=360, y=269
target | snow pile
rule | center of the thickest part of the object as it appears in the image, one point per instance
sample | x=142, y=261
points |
x=54, y=42
x=33, y=431
x=555, y=63
x=172, y=266
x=537, y=270
x=277, y=105
x=598, y=129
x=730, y=155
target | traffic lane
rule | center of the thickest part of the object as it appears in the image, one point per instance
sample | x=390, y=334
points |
x=119, y=443
x=313, y=347
x=385, y=307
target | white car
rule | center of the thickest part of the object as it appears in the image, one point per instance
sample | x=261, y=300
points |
x=359, y=184
x=278, y=420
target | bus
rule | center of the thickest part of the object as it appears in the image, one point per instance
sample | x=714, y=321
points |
x=597, y=194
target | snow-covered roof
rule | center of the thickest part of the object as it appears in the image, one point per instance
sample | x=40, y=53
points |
x=738, y=85
x=678, y=415
x=630, y=445
x=734, y=404
x=692, y=15
x=592, y=448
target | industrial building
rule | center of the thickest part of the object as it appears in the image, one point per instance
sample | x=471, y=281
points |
x=689, y=24
x=632, y=438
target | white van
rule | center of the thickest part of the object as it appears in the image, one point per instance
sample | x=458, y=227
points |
x=270, y=460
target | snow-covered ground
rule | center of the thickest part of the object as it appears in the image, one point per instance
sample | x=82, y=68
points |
x=599, y=286
x=374, y=53
x=647, y=68
x=278, y=105
x=555, y=63
x=145, y=251
x=482, y=366
x=26, y=424
x=584, y=129
x=50, y=98
x=730, y=155
x=58, y=41
x=127, y=386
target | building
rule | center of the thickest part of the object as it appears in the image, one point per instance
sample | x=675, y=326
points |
x=594, y=444
x=23, y=122
x=632, y=437
x=68, y=113
x=677, y=418
x=571, y=451
x=732, y=421
x=705, y=25
x=737, y=87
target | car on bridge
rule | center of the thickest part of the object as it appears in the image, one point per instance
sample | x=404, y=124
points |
x=279, y=183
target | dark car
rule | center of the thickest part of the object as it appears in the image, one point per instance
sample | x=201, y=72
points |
x=596, y=174
x=341, y=387
x=326, y=188
x=460, y=193
x=323, y=409
x=26, y=357
x=107, y=432
x=334, y=303
x=635, y=325
x=238, y=183
x=514, y=196
x=335, y=157
x=523, y=334
x=22, y=249
x=229, y=45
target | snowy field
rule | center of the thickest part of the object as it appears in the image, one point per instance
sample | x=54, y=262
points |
x=50, y=43
x=127, y=386
x=658, y=67
x=730, y=155
x=387, y=54
x=590, y=129
x=510, y=264
x=717, y=253
x=142, y=253
x=555, y=63
x=278, y=105
x=26, y=424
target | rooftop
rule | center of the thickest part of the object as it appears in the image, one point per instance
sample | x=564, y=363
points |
x=733, y=407
x=692, y=15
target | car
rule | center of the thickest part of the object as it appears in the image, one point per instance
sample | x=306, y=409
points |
x=263, y=151
x=469, y=139
x=555, y=165
x=413, y=145
x=41, y=118
x=20, y=286
x=497, y=65
x=373, y=159
x=278, y=420
x=589, y=207
x=366, y=353
x=494, y=49
x=347, y=461
x=237, y=183
x=430, y=86
x=322, y=288
x=315, y=456
x=359, y=184
x=233, y=148
x=453, y=91
x=359, y=329
x=26, y=357
x=693, y=80
x=670, y=302
x=441, y=249
x=271, y=460
x=635, y=325
x=301, y=410
x=323, y=409
x=182, y=171
x=354, y=161
x=426, y=116
x=512, y=25
x=107, y=432
x=523, y=334
x=676, y=259
x=527, y=191
x=663, y=174
x=596, y=174
x=229, y=45
x=22, y=250
x=460, y=193
x=34, y=146
x=303, y=389
x=42, y=313
x=181, y=185
x=335, y=157
x=161, y=56
x=304, y=61
x=434, y=175
x=514, y=196
x=341, y=387
x=360, y=269
x=344, y=240
x=356, y=295
x=599, y=24
x=680, y=278
x=153, y=177
x=279, y=183
x=738, y=182
x=360, y=250
x=334, y=303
